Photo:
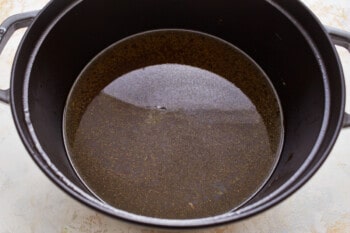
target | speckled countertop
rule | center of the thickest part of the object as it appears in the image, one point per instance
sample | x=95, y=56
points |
x=29, y=202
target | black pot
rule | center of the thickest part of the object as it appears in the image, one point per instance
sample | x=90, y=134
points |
x=282, y=36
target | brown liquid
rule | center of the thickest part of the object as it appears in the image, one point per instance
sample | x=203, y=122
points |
x=154, y=127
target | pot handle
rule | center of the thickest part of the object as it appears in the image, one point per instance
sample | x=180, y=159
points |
x=341, y=38
x=7, y=28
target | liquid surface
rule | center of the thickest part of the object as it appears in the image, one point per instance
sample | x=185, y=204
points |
x=173, y=124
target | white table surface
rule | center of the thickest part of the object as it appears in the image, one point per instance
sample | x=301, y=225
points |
x=30, y=202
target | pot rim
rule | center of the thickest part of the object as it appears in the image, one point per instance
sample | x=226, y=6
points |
x=42, y=160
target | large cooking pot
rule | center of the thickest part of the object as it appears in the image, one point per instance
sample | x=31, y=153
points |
x=282, y=36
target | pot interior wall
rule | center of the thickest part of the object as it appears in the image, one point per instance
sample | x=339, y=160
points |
x=254, y=26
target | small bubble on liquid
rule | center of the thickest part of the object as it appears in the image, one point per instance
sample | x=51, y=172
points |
x=160, y=107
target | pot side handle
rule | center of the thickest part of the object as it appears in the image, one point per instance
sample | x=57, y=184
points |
x=341, y=38
x=7, y=28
